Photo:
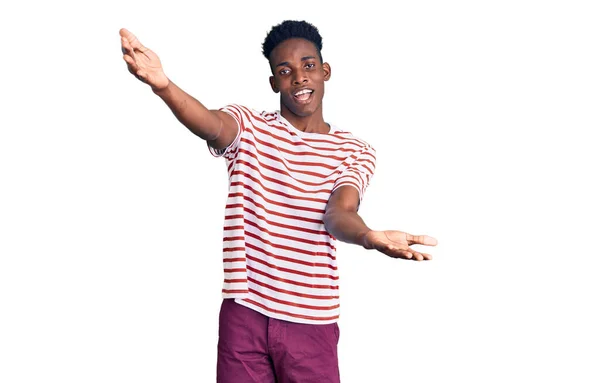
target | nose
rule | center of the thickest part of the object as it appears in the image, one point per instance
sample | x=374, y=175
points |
x=300, y=78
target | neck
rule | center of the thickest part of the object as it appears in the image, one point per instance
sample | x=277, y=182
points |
x=313, y=123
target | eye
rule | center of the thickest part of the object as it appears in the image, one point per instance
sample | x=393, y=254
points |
x=310, y=65
x=283, y=72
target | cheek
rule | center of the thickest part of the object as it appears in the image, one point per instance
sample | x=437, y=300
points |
x=319, y=81
x=321, y=89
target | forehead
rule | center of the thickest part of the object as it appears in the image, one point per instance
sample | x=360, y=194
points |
x=293, y=49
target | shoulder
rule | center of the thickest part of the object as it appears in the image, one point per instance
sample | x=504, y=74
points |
x=239, y=109
x=251, y=115
x=350, y=137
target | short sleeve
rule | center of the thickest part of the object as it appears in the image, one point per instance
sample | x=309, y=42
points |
x=359, y=171
x=236, y=112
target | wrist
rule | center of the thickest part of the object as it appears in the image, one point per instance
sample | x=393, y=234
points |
x=362, y=238
x=160, y=91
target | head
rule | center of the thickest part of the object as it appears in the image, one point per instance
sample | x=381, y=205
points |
x=293, y=49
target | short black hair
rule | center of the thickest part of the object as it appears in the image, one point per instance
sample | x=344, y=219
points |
x=290, y=29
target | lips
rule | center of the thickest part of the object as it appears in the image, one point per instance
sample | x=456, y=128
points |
x=303, y=95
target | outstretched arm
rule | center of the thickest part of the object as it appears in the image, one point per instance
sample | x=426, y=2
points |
x=343, y=222
x=219, y=129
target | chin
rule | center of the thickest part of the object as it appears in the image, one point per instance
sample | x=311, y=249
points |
x=302, y=110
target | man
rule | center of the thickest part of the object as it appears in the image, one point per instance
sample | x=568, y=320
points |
x=295, y=184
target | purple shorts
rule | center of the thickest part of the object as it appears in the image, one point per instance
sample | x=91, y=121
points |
x=255, y=348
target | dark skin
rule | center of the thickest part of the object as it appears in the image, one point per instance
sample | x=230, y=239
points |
x=296, y=67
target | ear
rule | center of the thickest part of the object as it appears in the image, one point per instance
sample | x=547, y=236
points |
x=273, y=86
x=327, y=71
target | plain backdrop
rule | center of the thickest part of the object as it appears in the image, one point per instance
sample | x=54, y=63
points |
x=484, y=115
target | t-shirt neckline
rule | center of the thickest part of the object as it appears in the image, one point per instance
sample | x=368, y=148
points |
x=332, y=128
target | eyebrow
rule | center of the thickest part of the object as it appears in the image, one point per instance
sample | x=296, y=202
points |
x=285, y=63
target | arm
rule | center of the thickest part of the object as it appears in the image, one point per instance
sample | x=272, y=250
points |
x=341, y=217
x=343, y=222
x=219, y=129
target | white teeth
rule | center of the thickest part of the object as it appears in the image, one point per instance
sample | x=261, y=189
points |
x=303, y=92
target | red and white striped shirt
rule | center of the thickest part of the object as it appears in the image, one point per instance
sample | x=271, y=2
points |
x=278, y=259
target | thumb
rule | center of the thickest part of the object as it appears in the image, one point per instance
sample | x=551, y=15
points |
x=421, y=240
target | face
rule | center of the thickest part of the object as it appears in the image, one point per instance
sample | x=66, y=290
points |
x=299, y=76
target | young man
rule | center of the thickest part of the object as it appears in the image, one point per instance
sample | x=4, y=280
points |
x=295, y=184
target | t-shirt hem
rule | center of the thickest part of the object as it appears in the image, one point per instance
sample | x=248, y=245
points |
x=283, y=316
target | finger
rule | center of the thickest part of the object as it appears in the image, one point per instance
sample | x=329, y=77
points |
x=132, y=39
x=127, y=48
x=124, y=45
x=131, y=66
x=409, y=254
x=397, y=252
x=417, y=256
x=421, y=240
x=130, y=62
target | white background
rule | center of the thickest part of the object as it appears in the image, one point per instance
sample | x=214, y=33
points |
x=485, y=118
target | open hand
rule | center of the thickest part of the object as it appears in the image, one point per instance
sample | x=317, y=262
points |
x=142, y=62
x=396, y=244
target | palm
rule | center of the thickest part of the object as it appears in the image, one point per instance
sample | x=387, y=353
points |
x=141, y=61
x=397, y=244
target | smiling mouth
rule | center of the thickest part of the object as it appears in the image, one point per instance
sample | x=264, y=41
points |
x=304, y=95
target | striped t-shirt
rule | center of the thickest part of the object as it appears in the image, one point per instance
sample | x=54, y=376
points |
x=278, y=259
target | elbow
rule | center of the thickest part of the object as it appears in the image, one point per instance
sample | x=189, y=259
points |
x=332, y=217
x=328, y=220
